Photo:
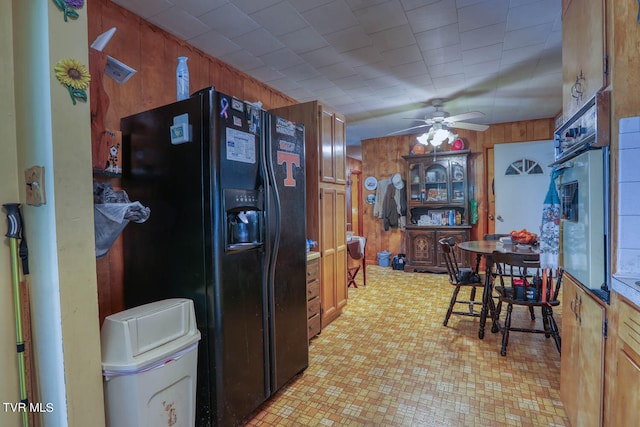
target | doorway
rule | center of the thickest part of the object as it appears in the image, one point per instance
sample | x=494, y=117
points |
x=521, y=181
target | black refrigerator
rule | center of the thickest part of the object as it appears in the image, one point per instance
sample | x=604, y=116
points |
x=225, y=182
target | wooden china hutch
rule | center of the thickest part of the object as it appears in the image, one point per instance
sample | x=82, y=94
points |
x=437, y=207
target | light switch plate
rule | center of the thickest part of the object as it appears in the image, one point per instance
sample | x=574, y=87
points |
x=34, y=178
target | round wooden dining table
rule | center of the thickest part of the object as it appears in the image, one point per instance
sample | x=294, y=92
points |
x=485, y=248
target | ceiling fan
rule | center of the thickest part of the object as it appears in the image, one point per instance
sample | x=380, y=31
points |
x=441, y=119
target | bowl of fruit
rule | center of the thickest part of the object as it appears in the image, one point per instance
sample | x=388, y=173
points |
x=523, y=237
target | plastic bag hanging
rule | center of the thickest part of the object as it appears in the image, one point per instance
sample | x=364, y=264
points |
x=112, y=212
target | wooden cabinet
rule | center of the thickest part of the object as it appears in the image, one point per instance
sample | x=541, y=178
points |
x=626, y=359
x=333, y=250
x=333, y=148
x=583, y=351
x=437, y=186
x=584, y=58
x=313, y=294
x=325, y=163
x=424, y=253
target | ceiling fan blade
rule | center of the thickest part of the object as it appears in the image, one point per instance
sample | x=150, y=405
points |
x=469, y=126
x=426, y=121
x=407, y=129
x=465, y=116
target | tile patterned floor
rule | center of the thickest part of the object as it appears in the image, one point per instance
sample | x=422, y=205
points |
x=388, y=361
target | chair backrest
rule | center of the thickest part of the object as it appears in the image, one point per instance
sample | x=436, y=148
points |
x=447, y=246
x=353, y=248
x=494, y=236
x=524, y=267
x=516, y=266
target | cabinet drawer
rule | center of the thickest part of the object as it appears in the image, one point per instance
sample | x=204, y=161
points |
x=313, y=307
x=313, y=269
x=313, y=326
x=313, y=290
x=629, y=326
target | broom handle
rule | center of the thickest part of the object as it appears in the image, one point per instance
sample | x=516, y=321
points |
x=13, y=221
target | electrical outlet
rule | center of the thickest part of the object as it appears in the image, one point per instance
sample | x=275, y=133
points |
x=34, y=178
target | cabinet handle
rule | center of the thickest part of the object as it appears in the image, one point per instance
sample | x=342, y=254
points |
x=580, y=311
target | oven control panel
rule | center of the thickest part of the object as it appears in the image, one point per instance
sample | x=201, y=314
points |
x=586, y=129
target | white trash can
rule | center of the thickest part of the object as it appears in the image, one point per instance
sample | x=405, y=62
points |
x=149, y=363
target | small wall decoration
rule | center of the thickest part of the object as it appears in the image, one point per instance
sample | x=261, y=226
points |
x=75, y=77
x=68, y=7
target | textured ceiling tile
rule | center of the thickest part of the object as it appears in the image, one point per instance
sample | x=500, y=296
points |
x=482, y=54
x=214, y=43
x=433, y=16
x=527, y=36
x=179, y=23
x=229, y=21
x=303, y=40
x=443, y=55
x=440, y=37
x=482, y=14
x=337, y=71
x=485, y=36
x=200, y=7
x=417, y=68
x=393, y=38
x=381, y=17
x=402, y=55
x=331, y=17
x=280, y=19
x=252, y=6
x=447, y=69
x=258, y=42
x=243, y=60
x=534, y=13
x=359, y=4
x=322, y=57
x=349, y=39
x=266, y=74
x=281, y=59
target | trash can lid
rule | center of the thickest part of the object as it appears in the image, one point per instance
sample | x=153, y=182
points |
x=145, y=334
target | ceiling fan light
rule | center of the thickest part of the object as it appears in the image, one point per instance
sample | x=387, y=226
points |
x=423, y=139
x=439, y=136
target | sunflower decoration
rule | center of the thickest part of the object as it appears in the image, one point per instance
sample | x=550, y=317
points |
x=68, y=7
x=75, y=77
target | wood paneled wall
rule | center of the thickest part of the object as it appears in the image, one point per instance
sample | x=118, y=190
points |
x=153, y=53
x=382, y=157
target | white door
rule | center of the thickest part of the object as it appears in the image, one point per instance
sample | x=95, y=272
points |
x=522, y=177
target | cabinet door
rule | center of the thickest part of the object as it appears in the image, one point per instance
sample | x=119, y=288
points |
x=415, y=191
x=329, y=255
x=437, y=182
x=422, y=245
x=328, y=172
x=334, y=253
x=340, y=149
x=459, y=236
x=582, y=361
x=341, y=248
x=569, y=374
x=627, y=392
x=591, y=368
x=458, y=181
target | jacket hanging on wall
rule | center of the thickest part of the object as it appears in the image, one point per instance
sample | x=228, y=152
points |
x=381, y=192
x=390, y=208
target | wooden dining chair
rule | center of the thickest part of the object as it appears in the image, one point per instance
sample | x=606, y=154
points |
x=460, y=278
x=355, y=261
x=517, y=274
